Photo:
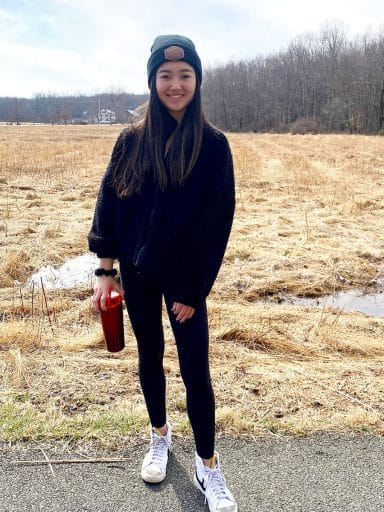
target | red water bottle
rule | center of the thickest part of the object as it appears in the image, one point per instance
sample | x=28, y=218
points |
x=112, y=322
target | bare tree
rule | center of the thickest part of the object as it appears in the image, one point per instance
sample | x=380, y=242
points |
x=321, y=82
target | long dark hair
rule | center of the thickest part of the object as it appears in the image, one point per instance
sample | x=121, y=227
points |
x=147, y=147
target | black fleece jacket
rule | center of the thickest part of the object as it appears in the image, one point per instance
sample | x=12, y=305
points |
x=179, y=234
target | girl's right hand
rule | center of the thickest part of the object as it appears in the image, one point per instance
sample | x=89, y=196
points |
x=101, y=289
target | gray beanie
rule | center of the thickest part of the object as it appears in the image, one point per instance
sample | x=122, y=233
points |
x=173, y=48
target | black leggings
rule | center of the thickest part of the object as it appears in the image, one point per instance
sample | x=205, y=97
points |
x=143, y=298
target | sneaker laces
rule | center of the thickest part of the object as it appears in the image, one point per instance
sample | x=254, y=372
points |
x=216, y=482
x=157, y=446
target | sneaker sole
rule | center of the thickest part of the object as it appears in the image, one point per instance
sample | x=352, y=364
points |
x=155, y=479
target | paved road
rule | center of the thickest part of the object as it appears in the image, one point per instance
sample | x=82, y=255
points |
x=321, y=473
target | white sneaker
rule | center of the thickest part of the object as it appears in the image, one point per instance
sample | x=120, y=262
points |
x=211, y=482
x=154, y=466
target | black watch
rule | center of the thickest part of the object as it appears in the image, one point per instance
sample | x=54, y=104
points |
x=104, y=272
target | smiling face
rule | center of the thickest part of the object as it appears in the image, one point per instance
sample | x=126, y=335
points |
x=175, y=86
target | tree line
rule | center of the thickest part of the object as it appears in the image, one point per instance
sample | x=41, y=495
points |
x=322, y=82
x=58, y=109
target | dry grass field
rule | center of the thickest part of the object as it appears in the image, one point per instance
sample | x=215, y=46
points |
x=309, y=222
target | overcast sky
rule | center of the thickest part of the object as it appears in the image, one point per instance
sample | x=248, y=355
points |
x=89, y=46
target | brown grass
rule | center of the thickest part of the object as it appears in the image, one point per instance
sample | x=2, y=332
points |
x=309, y=221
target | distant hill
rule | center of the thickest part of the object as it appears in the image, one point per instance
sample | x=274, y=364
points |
x=55, y=109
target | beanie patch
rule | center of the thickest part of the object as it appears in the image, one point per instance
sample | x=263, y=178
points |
x=174, y=53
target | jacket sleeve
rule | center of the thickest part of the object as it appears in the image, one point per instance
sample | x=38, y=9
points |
x=102, y=236
x=198, y=270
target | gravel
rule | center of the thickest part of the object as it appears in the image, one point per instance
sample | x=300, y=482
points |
x=319, y=473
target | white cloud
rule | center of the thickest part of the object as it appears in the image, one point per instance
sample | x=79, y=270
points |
x=92, y=44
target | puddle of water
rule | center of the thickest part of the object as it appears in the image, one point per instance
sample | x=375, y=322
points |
x=79, y=271
x=371, y=304
x=75, y=272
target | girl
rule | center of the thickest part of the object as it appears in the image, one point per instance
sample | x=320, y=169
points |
x=165, y=210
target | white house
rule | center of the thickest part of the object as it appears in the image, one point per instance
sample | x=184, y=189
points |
x=106, y=116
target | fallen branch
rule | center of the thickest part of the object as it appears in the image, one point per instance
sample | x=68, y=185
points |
x=71, y=461
x=46, y=305
x=48, y=462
